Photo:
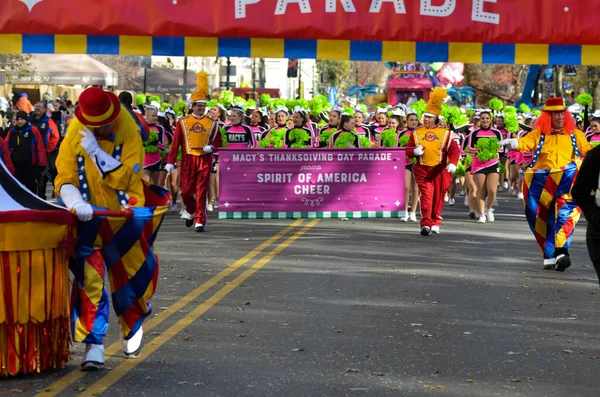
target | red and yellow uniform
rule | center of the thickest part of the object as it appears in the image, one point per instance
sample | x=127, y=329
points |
x=193, y=134
x=439, y=150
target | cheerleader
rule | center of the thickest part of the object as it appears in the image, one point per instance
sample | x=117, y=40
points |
x=485, y=173
x=332, y=126
x=346, y=126
x=594, y=137
x=412, y=123
x=299, y=135
x=256, y=124
x=155, y=148
x=500, y=126
x=219, y=114
x=361, y=129
x=239, y=135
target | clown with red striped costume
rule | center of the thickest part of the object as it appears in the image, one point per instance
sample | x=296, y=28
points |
x=549, y=207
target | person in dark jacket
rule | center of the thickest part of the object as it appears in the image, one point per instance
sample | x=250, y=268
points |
x=27, y=151
x=587, y=196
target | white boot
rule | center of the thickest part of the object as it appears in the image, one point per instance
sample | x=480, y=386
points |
x=93, y=359
x=132, y=347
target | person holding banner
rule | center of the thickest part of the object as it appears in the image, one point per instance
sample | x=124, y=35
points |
x=437, y=155
x=100, y=167
x=549, y=207
x=198, y=136
x=239, y=135
x=299, y=136
x=345, y=137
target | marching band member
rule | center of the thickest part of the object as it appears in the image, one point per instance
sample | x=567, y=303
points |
x=198, y=136
x=437, y=155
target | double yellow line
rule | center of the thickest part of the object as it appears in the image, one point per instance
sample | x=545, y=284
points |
x=127, y=365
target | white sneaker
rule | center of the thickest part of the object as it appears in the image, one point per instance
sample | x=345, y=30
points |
x=412, y=216
x=209, y=207
x=514, y=193
x=506, y=184
x=344, y=219
x=481, y=219
x=133, y=346
x=93, y=359
x=490, y=215
x=466, y=201
x=446, y=198
x=215, y=204
x=435, y=229
x=174, y=207
x=451, y=203
x=500, y=189
x=404, y=218
x=520, y=196
x=186, y=215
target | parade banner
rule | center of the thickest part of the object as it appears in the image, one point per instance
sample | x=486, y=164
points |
x=475, y=31
x=300, y=183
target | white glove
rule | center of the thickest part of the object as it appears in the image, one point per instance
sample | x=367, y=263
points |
x=89, y=142
x=451, y=168
x=208, y=149
x=418, y=151
x=84, y=211
x=512, y=143
x=169, y=168
x=72, y=198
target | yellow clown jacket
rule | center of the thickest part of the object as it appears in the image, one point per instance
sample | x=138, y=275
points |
x=557, y=150
x=103, y=190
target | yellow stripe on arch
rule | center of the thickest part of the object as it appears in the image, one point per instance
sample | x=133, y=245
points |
x=267, y=48
x=135, y=45
x=70, y=44
x=531, y=54
x=11, y=43
x=465, y=52
x=335, y=50
x=399, y=51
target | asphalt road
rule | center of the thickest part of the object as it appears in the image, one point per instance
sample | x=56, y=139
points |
x=364, y=307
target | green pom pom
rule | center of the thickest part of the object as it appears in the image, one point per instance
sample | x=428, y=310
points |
x=460, y=169
x=366, y=142
x=265, y=143
x=419, y=107
x=155, y=98
x=594, y=144
x=487, y=149
x=140, y=99
x=468, y=160
x=180, y=108
x=227, y=98
x=502, y=168
x=362, y=108
x=454, y=115
x=180, y=155
x=496, y=104
x=250, y=103
x=584, y=99
x=224, y=136
x=511, y=124
x=275, y=138
x=325, y=136
x=298, y=138
x=470, y=112
x=344, y=140
x=265, y=100
x=166, y=105
x=524, y=108
x=149, y=145
x=388, y=138
x=349, y=110
x=536, y=113
x=403, y=140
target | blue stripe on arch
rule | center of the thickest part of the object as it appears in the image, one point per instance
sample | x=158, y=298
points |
x=298, y=48
x=498, y=53
x=564, y=54
x=171, y=46
x=234, y=47
x=103, y=45
x=432, y=52
x=366, y=50
x=38, y=44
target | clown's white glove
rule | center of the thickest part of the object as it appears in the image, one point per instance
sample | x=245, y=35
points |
x=169, y=168
x=418, y=151
x=89, y=142
x=72, y=198
x=512, y=143
x=208, y=149
x=451, y=168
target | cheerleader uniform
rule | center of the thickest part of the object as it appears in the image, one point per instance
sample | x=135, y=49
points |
x=478, y=166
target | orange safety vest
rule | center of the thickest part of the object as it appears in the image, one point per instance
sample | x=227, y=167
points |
x=435, y=143
x=198, y=133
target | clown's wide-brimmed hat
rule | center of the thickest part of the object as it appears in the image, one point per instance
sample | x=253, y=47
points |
x=555, y=105
x=97, y=107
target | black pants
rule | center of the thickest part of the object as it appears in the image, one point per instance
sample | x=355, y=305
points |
x=28, y=175
x=593, y=245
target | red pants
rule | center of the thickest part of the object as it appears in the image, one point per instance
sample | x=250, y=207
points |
x=433, y=183
x=195, y=177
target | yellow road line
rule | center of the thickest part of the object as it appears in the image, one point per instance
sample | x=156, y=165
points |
x=57, y=387
x=127, y=365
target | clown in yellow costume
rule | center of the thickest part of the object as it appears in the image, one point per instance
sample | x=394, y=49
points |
x=100, y=168
x=549, y=207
